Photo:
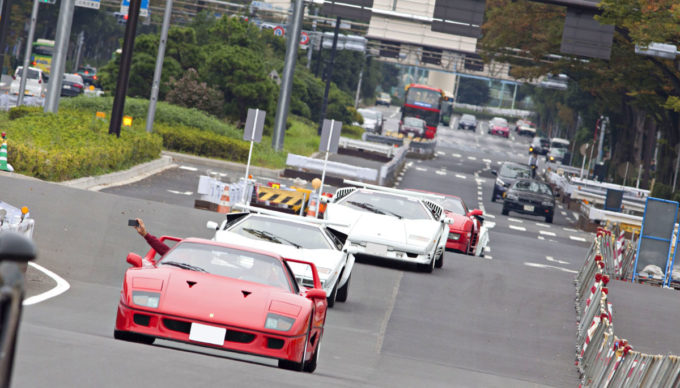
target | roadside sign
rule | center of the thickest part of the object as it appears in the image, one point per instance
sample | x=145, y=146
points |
x=613, y=200
x=304, y=38
x=330, y=136
x=94, y=4
x=279, y=31
x=654, y=244
x=143, y=9
x=254, y=125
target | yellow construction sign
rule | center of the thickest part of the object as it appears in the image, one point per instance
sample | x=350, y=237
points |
x=293, y=199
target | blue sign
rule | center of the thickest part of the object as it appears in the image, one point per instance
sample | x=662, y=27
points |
x=423, y=104
x=143, y=9
x=653, y=261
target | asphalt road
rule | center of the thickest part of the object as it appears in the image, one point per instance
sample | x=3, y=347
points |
x=505, y=319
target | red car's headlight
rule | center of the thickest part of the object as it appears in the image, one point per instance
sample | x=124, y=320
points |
x=278, y=322
x=146, y=299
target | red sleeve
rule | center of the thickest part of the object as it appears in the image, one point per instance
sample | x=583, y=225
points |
x=160, y=247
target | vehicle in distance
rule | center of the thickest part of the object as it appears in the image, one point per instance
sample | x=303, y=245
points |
x=41, y=57
x=35, y=82
x=506, y=176
x=423, y=102
x=391, y=224
x=499, y=126
x=556, y=155
x=89, y=75
x=528, y=196
x=72, y=85
x=557, y=142
x=383, y=99
x=525, y=128
x=294, y=237
x=412, y=126
x=223, y=296
x=467, y=121
x=540, y=145
x=373, y=120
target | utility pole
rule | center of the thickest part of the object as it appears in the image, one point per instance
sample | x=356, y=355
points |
x=293, y=35
x=27, y=55
x=329, y=74
x=603, y=126
x=124, y=69
x=4, y=27
x=310, y=48
x=361, y=77
x=59, y=58
x=155, y=86
x=79, y=51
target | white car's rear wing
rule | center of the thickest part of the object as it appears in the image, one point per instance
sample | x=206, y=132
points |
x=407, y=193
x=292, y=217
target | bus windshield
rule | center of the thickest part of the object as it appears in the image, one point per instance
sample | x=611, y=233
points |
x=43, y=50
x=423, y=97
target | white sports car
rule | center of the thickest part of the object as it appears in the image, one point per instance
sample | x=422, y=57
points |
x=294, y=237
x=391, y=224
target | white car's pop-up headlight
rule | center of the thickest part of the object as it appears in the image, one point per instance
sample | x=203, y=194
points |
x=278, y=322
x=146, y=299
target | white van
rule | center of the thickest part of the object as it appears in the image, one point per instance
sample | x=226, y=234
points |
x=556, y=142
x=35, y=82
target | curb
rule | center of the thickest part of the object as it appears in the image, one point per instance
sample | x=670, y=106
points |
x=223, y=164
x=119, y=178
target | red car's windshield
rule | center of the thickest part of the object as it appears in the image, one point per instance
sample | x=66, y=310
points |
x=454, y=205
x=228, y=262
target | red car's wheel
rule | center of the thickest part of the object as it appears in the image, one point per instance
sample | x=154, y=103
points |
x=299, y=366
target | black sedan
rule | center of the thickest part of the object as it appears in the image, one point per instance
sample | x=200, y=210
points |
x=72, y=85
x=506, y=176
x=528, y=196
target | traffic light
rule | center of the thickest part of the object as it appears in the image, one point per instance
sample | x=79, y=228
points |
x=121, y=18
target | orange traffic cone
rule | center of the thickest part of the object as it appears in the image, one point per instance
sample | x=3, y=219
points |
x=225, y=206
x=311, y=209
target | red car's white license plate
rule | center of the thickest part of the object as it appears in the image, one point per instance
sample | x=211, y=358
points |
x=207, y=334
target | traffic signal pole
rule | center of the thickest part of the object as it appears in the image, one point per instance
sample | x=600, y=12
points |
x=27, y=55
x=329, y=74
x=4, y=29
x=159, y=66
x=59, y=58
x=124, y=69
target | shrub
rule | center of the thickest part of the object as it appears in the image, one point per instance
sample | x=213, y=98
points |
x=661, y=190
x=188, y=91
x=202, y=143
x=21, y=111
x=352, y=131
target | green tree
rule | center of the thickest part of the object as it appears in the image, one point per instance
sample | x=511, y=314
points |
x=473, y=91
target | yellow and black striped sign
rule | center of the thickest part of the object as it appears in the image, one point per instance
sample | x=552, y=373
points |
x=291, y=198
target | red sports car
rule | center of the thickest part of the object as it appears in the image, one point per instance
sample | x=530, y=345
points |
x=225, y=296
x=464, y=231
x=499, y=126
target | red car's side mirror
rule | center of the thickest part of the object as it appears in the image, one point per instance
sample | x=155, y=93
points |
x=475, y=212
x=316, y=293
x=135, y=260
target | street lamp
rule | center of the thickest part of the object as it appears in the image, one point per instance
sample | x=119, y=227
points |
x=661, y=50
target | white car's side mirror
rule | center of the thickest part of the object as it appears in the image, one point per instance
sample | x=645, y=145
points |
x=212, y=225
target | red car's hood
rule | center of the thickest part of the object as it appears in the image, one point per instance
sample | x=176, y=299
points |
x=459, y=221
x=216, y=298
x=499, y=128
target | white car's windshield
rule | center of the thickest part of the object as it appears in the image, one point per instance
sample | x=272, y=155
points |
x=387, y=204
x=227, y=262
x=32, y=74
x=282, y=232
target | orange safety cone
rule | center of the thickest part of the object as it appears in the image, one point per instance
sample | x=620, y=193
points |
x=311, y=209
x=225, y=202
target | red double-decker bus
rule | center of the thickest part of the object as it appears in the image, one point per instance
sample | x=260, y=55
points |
x=423, y=102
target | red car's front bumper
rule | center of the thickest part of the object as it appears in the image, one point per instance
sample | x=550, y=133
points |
x=460, y=245
x=237, y=339
x=500, y=132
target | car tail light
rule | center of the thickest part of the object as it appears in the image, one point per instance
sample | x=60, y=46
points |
x=79, y=86
x=39, y=81
x=94, y=77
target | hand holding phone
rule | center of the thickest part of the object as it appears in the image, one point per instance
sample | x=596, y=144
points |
x=133, y=222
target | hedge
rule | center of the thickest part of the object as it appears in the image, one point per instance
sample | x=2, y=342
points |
x=203, y=143
x=74, y=144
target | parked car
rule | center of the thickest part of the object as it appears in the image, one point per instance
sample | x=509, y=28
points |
x=72, y=85
x=383, y=99
x=223, y=296
x=412, y=125
x=540, y=145
x=499, y=126
x=89, y=75
x=528, y=196
x=36, y=84
x=467, y=121
x=506, y=176
x=373, y=120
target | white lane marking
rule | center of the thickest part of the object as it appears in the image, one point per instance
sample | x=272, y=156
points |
x=520, y=228
x=409, y=164
x=576, y=238
x=188, y=168
x=486, y=160
x=575, y=214
x=61, y=287
x=552, y=259
x=515, y=220
x=499, y=162
x=181, y=192
x=545, y=232
x=488, y=249
x=536, y=265
x=440, y=172
x=542, y=225
x=559, y=205
x=441, y=153
x=564, y=213
x=487, y=257
x=388, y=314
x=461, y=176
x=541, y=238
x=457, y=155
x=479, y=192
x=570, y=230
x=421, y=169
x=489, y=215
x=490, y=225
x=472, y=158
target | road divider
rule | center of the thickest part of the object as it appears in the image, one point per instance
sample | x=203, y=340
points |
x=417, y=147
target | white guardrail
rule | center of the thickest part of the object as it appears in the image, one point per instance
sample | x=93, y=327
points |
x=377, y=148
x=333, y=168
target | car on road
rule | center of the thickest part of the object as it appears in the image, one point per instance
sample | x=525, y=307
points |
x=223, y=296
x=467, y=121
x=499, y=126
x=506, y=176
x=383, y=99
x=89, y=75
x=556, y=155
x=412, y=126
x=391, y=224
x=528, y=196
x=373, y=120
x=72, y=85
x=557, y=142
x=294, y=237
x=36, y=84
x=540, y=145
x=525, y=128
